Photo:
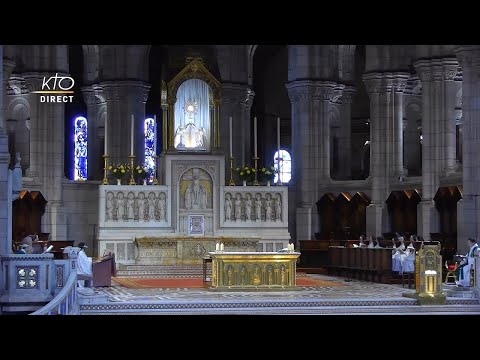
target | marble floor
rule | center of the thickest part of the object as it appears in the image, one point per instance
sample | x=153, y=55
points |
x=355, y=297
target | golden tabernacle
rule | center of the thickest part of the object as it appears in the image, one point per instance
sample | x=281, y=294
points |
x=254, y=270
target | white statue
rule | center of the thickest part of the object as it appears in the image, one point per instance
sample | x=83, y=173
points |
x=228, y=207
x=248, y=207
x=121, y=206
x=278, y=207
x=151, y=206
x=258, y=207
x=130, y=206
x=142, y=202
x=268, y=207
x=238, y=207
x=162, y=207
x=110, y=206
x=195, y=195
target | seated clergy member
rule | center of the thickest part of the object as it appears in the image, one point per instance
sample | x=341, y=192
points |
x=466, y=264
x=84, y=264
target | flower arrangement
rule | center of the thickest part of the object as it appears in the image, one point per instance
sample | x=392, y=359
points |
x=119, y=171
x=267, y=173
x=142, y=171
x=245, y=173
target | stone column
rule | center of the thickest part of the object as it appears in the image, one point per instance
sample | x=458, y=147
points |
x=8, y=65
x=379, y=88
x=11, y=124
x=5, y=189
x=345, y=143
x=399, y=81
x=431, y=75
x=33, y=82
x=95, y=150
x=310, y=148
x=451, y=87
x=47, y=145
x=236, y=102
x=468, y=209
x=124, y=98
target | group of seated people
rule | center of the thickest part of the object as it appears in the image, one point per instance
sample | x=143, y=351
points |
x=403, y=257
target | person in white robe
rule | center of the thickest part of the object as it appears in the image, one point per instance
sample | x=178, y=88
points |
x=83, y=264
x=407, y=259
x=371, y=245
x=466, y=264
x=397, y=252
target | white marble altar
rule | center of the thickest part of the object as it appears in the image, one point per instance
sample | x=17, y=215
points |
x=194, y=204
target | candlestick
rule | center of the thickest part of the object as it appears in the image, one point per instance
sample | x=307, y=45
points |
x=278, y=135
x=154, y=134
x=255, y=182
x=132, y=179
x=131, y=137
x=155, y=167
x=217, y=247
x=255, y=135
x=105, y=146
x=231, y=142
x=222, y=246
x=231, y=182
x=105, y=168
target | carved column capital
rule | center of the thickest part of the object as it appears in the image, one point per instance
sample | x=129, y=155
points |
x=88, y=95
x=301, y=90
x=468, y=55
x=348, y=94
x=123, y=90
x=377, y=83
x=8, y=66
x=16, y=85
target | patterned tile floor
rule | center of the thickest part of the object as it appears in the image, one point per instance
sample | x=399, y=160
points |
x=356, y=297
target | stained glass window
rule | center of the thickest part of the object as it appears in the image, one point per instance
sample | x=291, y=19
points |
x=149, y=145
x=285, y=166
x=81, y=145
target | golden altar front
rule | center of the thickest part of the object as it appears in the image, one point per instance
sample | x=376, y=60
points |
x=254, y=270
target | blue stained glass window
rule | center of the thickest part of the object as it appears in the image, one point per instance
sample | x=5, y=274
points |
x=149, y=145
x=285, y=166
x=81, y=145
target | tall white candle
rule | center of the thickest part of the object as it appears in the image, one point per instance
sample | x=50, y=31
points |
x=231, y=137
x=255, y=135
x=278, y=136
x=131, y=138
x=154, y=134
x=105, y=137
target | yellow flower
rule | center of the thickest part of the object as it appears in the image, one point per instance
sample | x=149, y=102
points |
x=140, y=171
x=246, y=167
x=123, y=171
x=110, y=167
x=263, y=169
x=241, y=173
x=114, y=170
x=248, y=171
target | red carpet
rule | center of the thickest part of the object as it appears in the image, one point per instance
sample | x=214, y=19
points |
x=133, y=283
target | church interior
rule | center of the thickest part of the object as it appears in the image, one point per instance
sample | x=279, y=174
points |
x=239, y=179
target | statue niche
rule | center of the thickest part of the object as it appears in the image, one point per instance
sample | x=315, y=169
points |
x=193, y=116
x=193, y=99
x=196, y=190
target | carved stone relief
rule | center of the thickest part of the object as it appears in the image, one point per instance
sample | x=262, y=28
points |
x=142, y=206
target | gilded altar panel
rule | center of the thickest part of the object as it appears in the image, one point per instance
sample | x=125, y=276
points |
x=251, y=270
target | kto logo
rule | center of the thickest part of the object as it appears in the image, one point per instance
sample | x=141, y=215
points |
x=58, y=87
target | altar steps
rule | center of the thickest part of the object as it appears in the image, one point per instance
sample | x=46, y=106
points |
x=162, y=271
